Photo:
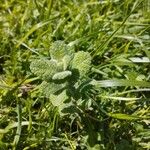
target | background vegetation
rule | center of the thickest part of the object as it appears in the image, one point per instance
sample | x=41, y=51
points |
x=108, y=108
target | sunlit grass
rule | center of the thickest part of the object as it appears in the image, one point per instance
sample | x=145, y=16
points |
x=114, y=115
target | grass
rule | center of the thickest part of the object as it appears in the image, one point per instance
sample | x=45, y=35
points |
x=112, y=114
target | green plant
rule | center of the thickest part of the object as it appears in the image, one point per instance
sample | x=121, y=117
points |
x=63, y=73
x=67, y=84
x=53, y=98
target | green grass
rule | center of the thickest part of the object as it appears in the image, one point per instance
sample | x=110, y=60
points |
x=108, y=108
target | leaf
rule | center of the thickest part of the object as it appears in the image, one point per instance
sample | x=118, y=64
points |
x=66, y=61
x=62, y=75
x=3, y=84
x=121, y=98
x=59, y=49
x=34, y=28
x=122, y=60
x=44, y=68
x=50, y=88
x=129, y=37
x=147, y=53
x=58, y=100
x=14, y=125
x=123, y=116
x=140, y=60
x=82, y=62
x=121, y=82
x=68, y=108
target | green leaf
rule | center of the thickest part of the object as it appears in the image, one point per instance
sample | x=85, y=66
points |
x=67, y=108
x=66, y=61
x=123, y=116
x=82, y=62
x=34, y=28
x=147, y=53
x=50, y=88
x=121, y=98
x=62, y=75
x=14, y=125
x=121, y=82
x=58, y=100
x=44, y=68
x=140, y=60
x=3, y=84
x=59, y=49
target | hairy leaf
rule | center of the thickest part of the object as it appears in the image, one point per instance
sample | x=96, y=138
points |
x=59, y=49
x=66, y=61
x=81, y=62
x=58, y=100
x=44, y=68
x=62, y=75
x=50, y=88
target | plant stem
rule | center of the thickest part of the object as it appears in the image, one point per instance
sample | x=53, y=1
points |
x=18, y=132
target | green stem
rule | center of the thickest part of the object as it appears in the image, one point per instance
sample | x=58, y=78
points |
x=18, y=132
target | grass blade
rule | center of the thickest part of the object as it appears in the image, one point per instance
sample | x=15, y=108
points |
x=121, y=98
x=121, y=82
x=100, y=48
x=123, y=116
x=34, y=28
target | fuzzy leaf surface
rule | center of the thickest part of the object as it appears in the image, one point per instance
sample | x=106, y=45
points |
x=62, y=75
x=66, y=61
x=82, y=62
x=59, y=49
x=44, y=68
x=50, y=88
x=58, y=100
